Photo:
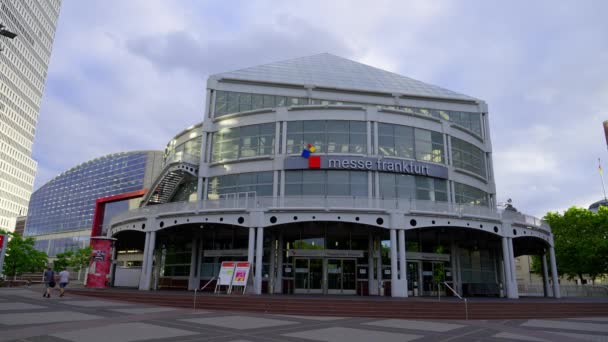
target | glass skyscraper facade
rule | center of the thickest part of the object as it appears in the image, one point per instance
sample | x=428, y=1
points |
x=67, y=202
x=24, y=62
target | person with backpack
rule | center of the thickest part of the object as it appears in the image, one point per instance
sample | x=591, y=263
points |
x=49, y=282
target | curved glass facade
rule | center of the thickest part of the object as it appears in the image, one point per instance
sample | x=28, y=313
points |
x=186, y=145
x=409, y=142
x=327, y=136
x=67, y=202
x=468, y=157
x=243, y=142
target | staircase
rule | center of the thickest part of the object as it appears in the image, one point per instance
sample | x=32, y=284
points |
x=380, y=307
x=168, y=181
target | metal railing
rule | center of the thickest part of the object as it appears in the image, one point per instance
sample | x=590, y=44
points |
x=248, y=200
x=466, y=305
x=182, y=158
x=536, y=290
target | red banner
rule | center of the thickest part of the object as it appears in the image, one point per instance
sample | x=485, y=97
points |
x=100, y=263
x=1, y=241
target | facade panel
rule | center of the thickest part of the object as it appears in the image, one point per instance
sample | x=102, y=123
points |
x=23, y=69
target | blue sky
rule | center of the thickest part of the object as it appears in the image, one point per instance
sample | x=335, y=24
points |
x=128, y=75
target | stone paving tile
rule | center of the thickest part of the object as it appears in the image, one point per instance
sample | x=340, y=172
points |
x=594, y=319
x=124, y=332
x=239, y=322
x=315, y=318
x=518, y=337
x=96, y=303
x=139, y=311
x=565, y=325
x=44, y=317
x=20, y=306
x=582, y=337
x=340, y=334
x=415, y=325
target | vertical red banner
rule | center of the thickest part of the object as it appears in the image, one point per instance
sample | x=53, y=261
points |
x=101, y=262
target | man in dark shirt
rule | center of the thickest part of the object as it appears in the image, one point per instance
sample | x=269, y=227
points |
x=49, y=282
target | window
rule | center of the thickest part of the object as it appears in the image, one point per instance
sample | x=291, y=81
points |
x=258, y=182
x=228, y=102
x=243, y=142
x=466, y=194
x=412, y=187
x=326, y=183
x=407, y=142
x=332, y=136
x=468, y=157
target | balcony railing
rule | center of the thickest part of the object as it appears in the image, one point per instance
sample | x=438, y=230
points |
x=245, y=201
x=181, y=157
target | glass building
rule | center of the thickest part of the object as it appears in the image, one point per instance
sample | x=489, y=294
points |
x=24, y=62
x=60, y=214
x=332, y=177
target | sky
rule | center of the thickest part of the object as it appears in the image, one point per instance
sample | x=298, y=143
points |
x=129, y=75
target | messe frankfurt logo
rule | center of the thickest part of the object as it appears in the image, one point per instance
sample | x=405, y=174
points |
x=314, y=162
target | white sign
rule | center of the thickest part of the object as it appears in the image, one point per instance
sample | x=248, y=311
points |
x=226, y=273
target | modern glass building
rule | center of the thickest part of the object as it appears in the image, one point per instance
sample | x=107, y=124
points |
x=334, y=177
x=24, y=62
x=60, y=214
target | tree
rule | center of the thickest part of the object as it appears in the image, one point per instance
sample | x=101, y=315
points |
x=63, y=260
x=581, y=242
x=21, y=256
x=80, y=259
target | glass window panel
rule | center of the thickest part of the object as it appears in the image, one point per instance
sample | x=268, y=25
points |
x=257, y=101
x=337, y=126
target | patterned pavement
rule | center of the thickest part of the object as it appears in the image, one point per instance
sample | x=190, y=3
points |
x=26, y=316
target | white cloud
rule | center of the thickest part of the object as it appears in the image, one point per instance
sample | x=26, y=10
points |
x=128, y=75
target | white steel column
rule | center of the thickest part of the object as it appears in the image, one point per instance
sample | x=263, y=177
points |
x=556, y=291
x=279, y=284
x=545, y=275
x=259, y=254
x=144, y=263
x=379, y=275
x=146, y=273
x=394, y=269
x=507, y=268
x=402, y=265
x=193, y=256
x=515, y=291
x=273, y=255
x=251, y=246
x=371, y=288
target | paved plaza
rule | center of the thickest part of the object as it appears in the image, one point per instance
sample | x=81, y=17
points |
x=26, y=316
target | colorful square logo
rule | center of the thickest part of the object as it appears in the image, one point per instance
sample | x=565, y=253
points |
x=314, y=162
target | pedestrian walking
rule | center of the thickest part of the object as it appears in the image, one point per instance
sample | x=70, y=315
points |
x=64, y=279
x=49, y=282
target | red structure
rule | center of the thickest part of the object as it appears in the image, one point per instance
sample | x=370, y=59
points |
x=100, y=262
x=100, y=207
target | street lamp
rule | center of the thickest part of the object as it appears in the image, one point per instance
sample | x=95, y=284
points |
x=6, y=33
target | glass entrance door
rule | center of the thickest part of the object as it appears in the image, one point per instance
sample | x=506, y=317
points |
x=431, y=270
x=308, y=275
x=341, y=276
x=413, y=278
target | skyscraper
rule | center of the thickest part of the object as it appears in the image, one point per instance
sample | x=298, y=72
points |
x=24, y=62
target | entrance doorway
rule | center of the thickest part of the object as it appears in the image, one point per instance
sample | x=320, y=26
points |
x=429, y=284
x=342, y=276
x=308, y=276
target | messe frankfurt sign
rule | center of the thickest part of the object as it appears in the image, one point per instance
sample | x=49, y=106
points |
x=408, y=167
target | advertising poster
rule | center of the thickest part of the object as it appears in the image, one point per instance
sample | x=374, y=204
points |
x=241, y=273
x=100, y=263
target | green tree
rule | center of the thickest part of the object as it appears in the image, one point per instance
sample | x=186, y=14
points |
x=21, y=256
x=63, y=260
x=581, y=242
x=80, y=259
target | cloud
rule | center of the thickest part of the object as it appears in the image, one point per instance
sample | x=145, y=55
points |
x=128, y=75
